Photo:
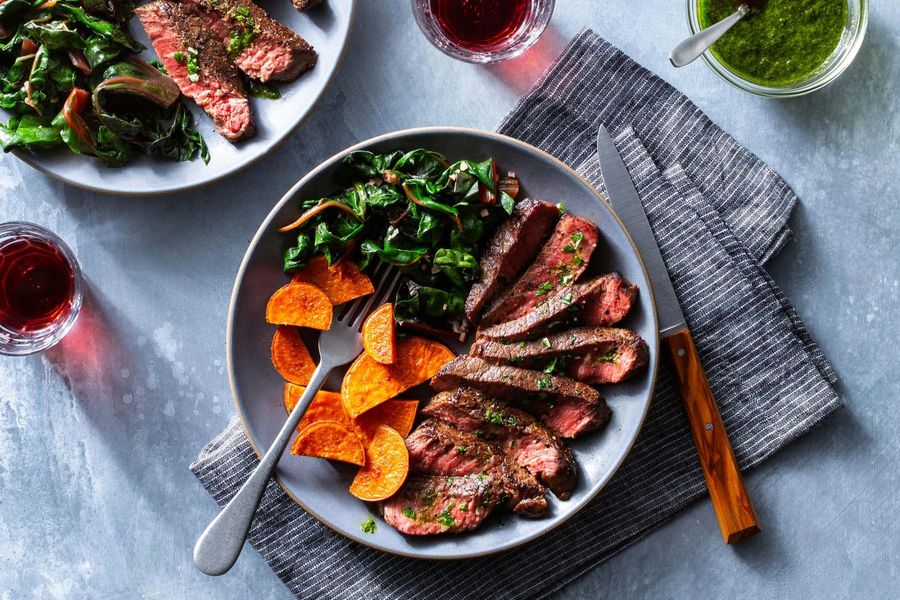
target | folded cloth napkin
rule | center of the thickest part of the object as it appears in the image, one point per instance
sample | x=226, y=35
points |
x=718, y=213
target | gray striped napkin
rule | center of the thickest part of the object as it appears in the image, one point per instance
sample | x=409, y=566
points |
x=718, y=213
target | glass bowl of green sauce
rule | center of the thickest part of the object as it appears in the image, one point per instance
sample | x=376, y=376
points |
x=783, y=48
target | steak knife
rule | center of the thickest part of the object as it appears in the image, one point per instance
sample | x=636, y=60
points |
x=734, y=509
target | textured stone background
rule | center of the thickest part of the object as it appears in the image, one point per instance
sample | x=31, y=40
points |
x=95, y=436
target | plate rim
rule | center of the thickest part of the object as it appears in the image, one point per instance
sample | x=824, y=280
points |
x=34, y=163
x=267, y=221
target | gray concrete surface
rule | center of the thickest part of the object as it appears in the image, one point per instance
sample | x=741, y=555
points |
x=95, y=436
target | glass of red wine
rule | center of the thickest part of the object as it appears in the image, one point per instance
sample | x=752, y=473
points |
x=41, y=288
x=482, y=31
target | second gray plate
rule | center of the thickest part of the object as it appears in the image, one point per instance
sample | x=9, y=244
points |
x=320, y=486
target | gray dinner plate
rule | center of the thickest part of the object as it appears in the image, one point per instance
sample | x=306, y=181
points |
x=320, y=486
x=326, y=27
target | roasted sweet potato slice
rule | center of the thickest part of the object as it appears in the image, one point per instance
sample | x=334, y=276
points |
x=341, y=282
x=301, y=305
x=290, y=356
x=397, y=414
x=379, y=337
x=330, y=439
x=368, y=383
x=387, y=465
x=326, y=406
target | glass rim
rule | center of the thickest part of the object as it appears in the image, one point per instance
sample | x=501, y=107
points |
x=11, y=344
x=816, y=80
x=434, y=35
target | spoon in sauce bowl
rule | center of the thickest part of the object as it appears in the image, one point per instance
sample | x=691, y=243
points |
x=688, y=50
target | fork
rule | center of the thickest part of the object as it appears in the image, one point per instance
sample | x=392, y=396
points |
x=221, y=543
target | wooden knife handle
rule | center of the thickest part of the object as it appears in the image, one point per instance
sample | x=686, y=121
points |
x=735, y=512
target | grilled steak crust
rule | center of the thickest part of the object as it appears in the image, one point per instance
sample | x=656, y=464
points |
x=567, y=407
x=436, y=448
x=590, y=354
x=302, y=5
x=558, y=265
x=514, y=244
x=609, y=304
x=439, y=504
x=597, y=301
x=513, y=431
x=179, y=29
x=272, y=52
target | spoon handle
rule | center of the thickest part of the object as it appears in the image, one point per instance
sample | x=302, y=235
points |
x=694, y=46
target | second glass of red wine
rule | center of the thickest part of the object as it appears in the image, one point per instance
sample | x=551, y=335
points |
x=41, y=288
x=482, y=31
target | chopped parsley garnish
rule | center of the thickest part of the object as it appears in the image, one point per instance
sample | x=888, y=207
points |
x=511, y=420
x=408, y=512
x=569, y=248
x=607, y=357
x=179, y=56
x=445, y=518
x=241, y=37
x=451, y=479
x=545, y=343
x=567, y=279
x=193, y=64
x=544, y=288
x=555, y=366
x=567, y=298
x=544, y=382
x=560, y=206
x=462, y=449
x=522, y=344
x=577, y=237
x=368, y=526
x=464, y=507
x=479, y=433
x=493, y=417
x=577, y=260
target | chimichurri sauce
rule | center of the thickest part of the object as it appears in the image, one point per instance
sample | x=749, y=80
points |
x=783, y=43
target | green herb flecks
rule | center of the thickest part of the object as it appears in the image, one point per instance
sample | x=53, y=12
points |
x=258, y=89
x=408, y=513
x=368, y=526
x=462, y=449
x=445, y=518
x=544, y=288
x=493, y=417
x=545, y=343
x=607, y=357
x=544, y=382
x=192, y=62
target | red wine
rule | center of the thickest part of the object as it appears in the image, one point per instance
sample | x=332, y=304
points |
x=37, y=284
x=480, y=24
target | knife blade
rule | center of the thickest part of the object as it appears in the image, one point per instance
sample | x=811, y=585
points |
x=734, y=509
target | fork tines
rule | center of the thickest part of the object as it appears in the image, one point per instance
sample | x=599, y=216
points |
x=387, y=277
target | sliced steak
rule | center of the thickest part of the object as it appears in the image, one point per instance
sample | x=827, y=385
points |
x=588, y=354
x=302, y=5
x=515, y=431
x=182, y=40
x=561, y=261
x=566, y=406
x=609, y=304
x=261, y=47
x=427, y=505
x=595, y=301
x=515, y=244
x=436, y=448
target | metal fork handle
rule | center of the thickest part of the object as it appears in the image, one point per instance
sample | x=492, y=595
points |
x=688, y=50
x=220, y=545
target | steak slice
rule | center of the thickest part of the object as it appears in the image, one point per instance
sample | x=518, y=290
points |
x=431, y=504
x=436, y=448
x=558, y=265
x=515, y=431
x=588, y=354
x=514, y=244
x=609, y=304
x=302, y=5
x=597, y=301
x=567, y=407
x=261, y=47
x=181, y=38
